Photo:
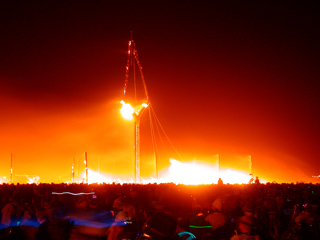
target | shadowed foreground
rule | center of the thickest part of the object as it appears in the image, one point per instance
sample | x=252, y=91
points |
x=164, y=211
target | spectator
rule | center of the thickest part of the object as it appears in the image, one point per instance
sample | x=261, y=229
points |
x=161, y=226
x=198, y=225
x=217, y=221
x=244, y=230
x=9, y=211
x=216, y=218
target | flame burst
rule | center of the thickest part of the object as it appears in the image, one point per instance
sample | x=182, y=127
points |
x=199, y=173
x=34, y=179
x=97, y=177
x=126, y=111
x=193, y=173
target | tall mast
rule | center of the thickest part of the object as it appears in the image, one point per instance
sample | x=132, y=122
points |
x=86, y=162
x=251, y=165
x=73, y=170
x=132, y=60
x=78, y=171
x=219, y=166
x=11, y=169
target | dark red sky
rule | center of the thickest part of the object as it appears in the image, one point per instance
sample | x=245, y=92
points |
x=230, y=78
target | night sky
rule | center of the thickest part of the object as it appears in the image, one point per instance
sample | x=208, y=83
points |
x=234, y=78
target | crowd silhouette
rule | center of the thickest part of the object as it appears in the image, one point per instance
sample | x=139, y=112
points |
x=160, y=211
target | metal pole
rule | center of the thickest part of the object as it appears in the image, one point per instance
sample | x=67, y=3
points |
x=157, y=173
x=131, y=61
x=73, y=170
x=11, y=169
x=251, y=165
x=78, y=171
x=137, y=148
x=219, y=166
x=86, y=160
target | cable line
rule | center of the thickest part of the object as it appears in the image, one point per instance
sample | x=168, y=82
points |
x=157, y=120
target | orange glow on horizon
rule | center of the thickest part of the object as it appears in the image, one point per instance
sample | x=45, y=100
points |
x=44, y=144
x=195, y=173
x=215, y=96
x=179, y=173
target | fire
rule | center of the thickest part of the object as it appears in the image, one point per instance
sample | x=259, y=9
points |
x=34, y=179
x=190, y=173
x=199, y=173
x=234, y=176
x=97, y=177
x=3, y=180
x=126, y=111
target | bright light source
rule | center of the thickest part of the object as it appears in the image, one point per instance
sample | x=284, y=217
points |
x=126, y=111
x=191, y=173
x=32, y=180
x=143, y=105
x=194, y=173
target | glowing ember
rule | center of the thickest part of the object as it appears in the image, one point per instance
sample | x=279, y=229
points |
x=126, y=111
